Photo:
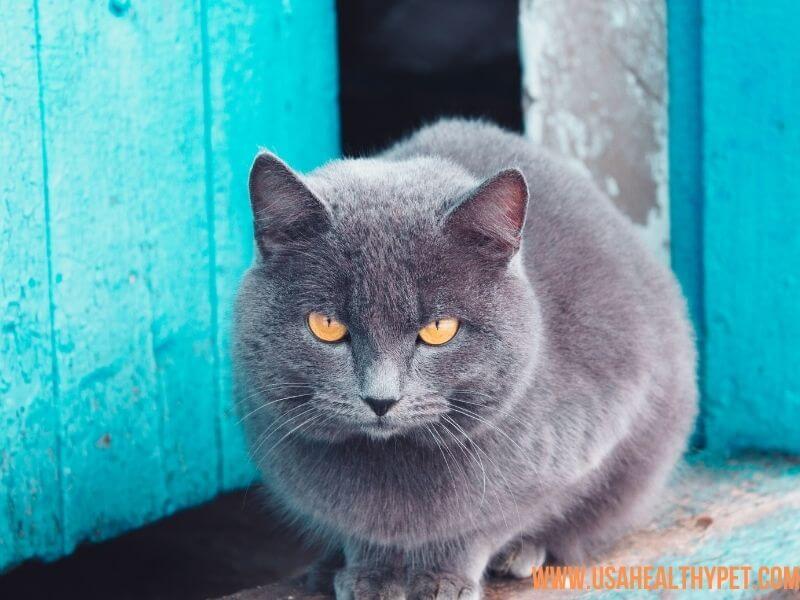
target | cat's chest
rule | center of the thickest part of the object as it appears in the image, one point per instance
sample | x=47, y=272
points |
x=388, y=497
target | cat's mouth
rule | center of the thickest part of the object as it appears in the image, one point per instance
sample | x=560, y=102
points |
x=381, y=428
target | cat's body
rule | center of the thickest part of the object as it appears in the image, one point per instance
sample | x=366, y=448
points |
x=546, y=424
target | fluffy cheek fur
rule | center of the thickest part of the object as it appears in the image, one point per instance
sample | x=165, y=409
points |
x=286, y=377
x=483, y=375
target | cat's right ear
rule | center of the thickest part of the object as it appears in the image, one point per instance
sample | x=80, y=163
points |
x=285, y=211
x=491, y=218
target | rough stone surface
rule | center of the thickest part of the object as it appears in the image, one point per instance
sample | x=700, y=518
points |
x=595, y=79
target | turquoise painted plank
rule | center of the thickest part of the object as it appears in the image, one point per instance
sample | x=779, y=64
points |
x=128, y=169
x=30, y=499
x=685, y=164
x=179, y=256
x=272, y=83
x=751, y=175
x=123, y=130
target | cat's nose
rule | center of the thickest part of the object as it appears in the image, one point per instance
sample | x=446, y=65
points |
x=380, y=406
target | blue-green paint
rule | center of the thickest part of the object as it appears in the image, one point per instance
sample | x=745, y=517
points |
x=124, y=228
x=751, y=176
x=685, y=164
x=29, y=444
x=735, y=186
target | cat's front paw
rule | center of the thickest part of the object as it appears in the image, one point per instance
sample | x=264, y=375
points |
x=363, y=583
x=319, y=577
x=517, y=560
x=443, y=586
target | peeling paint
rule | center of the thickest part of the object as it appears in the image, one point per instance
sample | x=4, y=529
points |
x=100, y=374
x=595, y=74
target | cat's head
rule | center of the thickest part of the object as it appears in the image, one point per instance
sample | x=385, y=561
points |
x=386, y=297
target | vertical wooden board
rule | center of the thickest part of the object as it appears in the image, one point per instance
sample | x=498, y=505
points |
x=177, y=247
x=123, y=123
x=685, y=162
x=112, y=468
x=272, y=83
x=304, y=90
x=751, y=173
x=150, y=116
x=30, y=499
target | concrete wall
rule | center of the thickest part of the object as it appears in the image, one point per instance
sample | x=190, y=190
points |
x=595, y=90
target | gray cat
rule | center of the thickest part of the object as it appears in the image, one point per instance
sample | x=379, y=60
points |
x=456, y=358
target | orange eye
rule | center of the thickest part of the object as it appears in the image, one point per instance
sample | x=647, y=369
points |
x=325, y=328
x=439, y=332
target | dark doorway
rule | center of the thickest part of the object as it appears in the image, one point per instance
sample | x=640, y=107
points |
x=406, y=62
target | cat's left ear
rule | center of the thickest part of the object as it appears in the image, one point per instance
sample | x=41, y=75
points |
x=285, y=210
x=492, y=216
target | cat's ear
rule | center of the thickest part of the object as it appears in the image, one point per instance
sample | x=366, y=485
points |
x=285, y=211
x=491, y=217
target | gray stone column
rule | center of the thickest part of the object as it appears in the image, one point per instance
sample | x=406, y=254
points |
x=594, y=81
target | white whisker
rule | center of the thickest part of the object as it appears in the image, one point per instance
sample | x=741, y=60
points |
x=262, y=406
x=471, y=415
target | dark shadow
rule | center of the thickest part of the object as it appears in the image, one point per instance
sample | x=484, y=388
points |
x=219, y=548
x=406, y=62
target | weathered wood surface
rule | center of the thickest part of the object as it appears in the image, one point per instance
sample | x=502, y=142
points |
x=29, y=420
x=685, y=153
x=737, y=512
x=132, y=350
x=128, y=131
x=596, y=80
x=272, y=82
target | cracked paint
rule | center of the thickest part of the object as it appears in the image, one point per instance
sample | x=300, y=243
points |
x=594, y=79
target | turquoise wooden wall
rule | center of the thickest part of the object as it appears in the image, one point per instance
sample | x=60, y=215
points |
x=735, y=211
x=127, y=131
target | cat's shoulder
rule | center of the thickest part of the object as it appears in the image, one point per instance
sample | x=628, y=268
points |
x=483, y=148
x=448, y=134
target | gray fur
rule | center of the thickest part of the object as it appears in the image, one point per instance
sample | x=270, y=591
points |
x=552, y=417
